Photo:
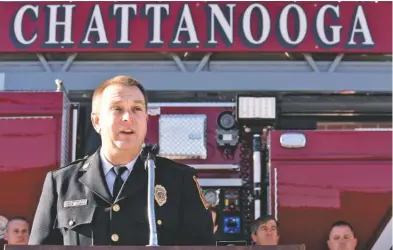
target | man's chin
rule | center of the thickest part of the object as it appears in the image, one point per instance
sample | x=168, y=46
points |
x=20, y=243
x=127, y=146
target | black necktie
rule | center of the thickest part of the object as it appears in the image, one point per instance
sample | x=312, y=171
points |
x=118, y=181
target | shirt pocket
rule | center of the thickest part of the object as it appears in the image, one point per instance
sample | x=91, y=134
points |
x=75, y=223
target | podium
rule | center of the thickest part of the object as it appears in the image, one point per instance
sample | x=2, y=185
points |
x=45, y=247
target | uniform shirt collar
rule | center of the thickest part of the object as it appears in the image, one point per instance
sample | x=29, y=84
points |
x=107, y=166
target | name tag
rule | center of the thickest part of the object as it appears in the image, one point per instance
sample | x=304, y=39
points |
x=75, y=203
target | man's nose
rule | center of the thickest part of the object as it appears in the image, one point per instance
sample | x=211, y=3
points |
x=128, y=116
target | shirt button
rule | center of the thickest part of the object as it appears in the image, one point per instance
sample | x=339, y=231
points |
x=159, y=222
x=116, y=208
x=115, y=237
x=71, y=222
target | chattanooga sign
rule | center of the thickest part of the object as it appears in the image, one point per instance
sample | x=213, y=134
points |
x=190, y=26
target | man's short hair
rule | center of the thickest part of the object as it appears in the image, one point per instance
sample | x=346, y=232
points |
x=117, y=80
x=341, y=223
x=16, y=218
x=262, y=220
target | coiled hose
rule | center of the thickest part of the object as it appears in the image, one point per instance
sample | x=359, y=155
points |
x=246, y=197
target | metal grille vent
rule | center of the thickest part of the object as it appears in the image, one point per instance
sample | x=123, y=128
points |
x=183, y=136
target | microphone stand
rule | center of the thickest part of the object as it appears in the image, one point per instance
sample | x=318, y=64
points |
x=150, y=165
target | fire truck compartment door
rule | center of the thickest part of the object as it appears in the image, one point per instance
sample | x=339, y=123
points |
x=30, y=147
x=319, y=177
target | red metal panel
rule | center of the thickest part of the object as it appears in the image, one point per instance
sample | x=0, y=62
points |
x=337, y=176
x=336, y=145
x=29, y=148
x=31, y=103
x=362, y=27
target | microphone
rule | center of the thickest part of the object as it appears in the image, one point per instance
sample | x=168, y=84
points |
x=150, y=152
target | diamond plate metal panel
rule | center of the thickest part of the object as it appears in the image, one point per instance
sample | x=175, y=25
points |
x=183, y=136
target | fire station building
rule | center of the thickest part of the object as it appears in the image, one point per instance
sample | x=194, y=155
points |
x=329, y=65
x=320, y=57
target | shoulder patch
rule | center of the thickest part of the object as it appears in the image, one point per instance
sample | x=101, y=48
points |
x=200, y=193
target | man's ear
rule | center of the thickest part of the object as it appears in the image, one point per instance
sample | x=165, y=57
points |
x=6, y=235
x=95, y=121
x=254, y=238
x=328, y=243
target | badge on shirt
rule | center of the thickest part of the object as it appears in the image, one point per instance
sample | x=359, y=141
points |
x=205, y=204
x=75, y=203
x=160, y=195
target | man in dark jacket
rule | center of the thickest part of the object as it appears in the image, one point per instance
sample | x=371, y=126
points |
x=102, y=199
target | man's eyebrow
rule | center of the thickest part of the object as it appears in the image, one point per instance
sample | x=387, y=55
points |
x=140, y=102
x=117, y=101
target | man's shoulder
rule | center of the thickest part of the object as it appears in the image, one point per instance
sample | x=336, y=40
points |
x=70, y=167
x=173, y=167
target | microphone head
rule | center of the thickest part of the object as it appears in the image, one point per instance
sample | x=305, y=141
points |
x=155, y=149
x=149, y=153
x=152, y=149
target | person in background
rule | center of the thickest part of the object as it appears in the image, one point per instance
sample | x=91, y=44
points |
x=341, y=236
x=3, y=225
x=17, y=231
x=265, y=231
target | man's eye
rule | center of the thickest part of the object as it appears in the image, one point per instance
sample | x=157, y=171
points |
x=116, y=108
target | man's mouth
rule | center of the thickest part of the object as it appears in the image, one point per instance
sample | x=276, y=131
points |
x=127, y=132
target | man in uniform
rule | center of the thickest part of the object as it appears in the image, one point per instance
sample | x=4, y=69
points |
x=102, y=199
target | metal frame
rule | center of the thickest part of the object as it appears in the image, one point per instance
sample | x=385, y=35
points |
x=204, y=65
x=220, y=182
x=385, y=239
x=212, y=81
x=74, y=130
x=2, y=81
x=205, y=74
x=215, y=166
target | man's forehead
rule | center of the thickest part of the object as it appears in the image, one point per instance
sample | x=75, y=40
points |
x=269, y=223
x=121, y=89
x=341, y=230
x=18, y=223
x=121, y=92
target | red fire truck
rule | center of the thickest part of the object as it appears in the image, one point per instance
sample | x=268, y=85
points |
x=306, y=178
x=310, y=161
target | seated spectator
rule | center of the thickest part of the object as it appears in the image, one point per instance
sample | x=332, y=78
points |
x=17, y=231
x=3, y=224
x=265, y=231
x=341, y=237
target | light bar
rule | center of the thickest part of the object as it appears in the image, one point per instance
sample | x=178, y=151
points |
x=256, y=108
